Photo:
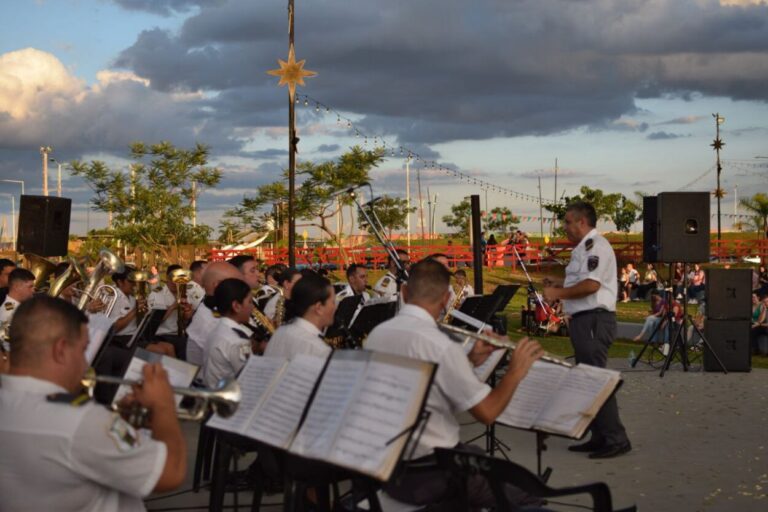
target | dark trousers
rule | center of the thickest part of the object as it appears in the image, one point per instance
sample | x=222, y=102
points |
x=592, y=333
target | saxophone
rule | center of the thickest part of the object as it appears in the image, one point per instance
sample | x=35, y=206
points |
x=261, y=319
x=279, y=311
x=455, y=304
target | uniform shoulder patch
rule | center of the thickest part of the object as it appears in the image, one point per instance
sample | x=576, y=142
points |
x=385, y=281
x=589, y=244
x=9, y=306
x=158, y=289
x=241, y=333
x=75, y=400
x=592, y=263
x=123, y=434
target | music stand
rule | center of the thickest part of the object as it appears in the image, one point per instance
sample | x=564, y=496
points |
x=371, y=316
x=148, y=327
x=345, y=312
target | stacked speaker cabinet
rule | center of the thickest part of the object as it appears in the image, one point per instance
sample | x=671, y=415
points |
x=676, y=227
x=44, y=225
x=727, y=327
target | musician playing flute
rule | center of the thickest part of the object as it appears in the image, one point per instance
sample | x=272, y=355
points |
x=414, y=333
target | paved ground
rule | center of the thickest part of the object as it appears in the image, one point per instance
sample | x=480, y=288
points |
x=699, y=445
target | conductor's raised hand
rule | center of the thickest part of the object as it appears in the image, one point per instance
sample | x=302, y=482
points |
x=523, y=357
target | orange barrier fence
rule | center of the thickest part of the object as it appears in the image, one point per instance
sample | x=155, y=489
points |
x=532, y=254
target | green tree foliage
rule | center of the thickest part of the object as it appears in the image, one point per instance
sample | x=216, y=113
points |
x=459, y=217
x=151, y=204
x=757, y=205
x=500, y=220
x=392, y=213
x=317, y=198
x=625, y=214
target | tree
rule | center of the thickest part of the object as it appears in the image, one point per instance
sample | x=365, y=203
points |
x=605, y=205
x=318, y=197
x=625, y=214
x=500, y=220
x=392, y=213
x=757, y=205
x=152, y=204
x=459, y=217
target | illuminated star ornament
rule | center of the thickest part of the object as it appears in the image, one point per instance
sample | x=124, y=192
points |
x=291, y=73
x=717, y=144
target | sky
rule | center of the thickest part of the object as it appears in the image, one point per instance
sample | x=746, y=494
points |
x=621, y=93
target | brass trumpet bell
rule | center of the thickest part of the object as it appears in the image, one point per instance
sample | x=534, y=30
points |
x=41, y=268
x=74, y=274
x=181, y=276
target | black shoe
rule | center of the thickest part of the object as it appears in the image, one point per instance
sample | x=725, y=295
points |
x=610, y=451
x=589, y=446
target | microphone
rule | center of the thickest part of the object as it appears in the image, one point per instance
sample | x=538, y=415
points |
x=372, y=201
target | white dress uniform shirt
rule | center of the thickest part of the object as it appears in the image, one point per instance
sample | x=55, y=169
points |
x=8, y=309
x=164, y=299
x=593, y=258
x=413, y=333
x=56, y=456
x=297, y=337
x=271, y=307
x=202, y=324
x=195, y=294
x=229, y=349
x=123, y=305
x=348, y=292
x=386, y=286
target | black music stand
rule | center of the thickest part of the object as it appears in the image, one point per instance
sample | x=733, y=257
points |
x=345, y=312
x=371, y=316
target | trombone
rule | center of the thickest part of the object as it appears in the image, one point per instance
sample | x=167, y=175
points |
x=511, y=345
x=223, y=399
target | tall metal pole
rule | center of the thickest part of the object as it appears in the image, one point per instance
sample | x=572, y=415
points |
x=45, y=151
x=58, y=182
x=718, y=145
x=13, y=218
x=408, y=200
x=194, y=203
x=291, y=155
x=541, y=213
x=554, y=215
x=477, y=249
x=429, y=213
x=421, y=201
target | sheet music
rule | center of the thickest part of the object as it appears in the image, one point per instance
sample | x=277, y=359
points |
x=533, y=394
x=578, y=392
x=180, y=373
x=254, y=380
x=341, y=381
x=378, y=414
x=98, y=328
x=281, y=411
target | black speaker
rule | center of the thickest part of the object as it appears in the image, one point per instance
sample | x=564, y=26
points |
x=729, y=293
x=650, y=230
x=682, y=227
x=44, y=225
x=730, y=341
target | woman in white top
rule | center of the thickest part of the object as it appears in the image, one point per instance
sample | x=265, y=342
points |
x=229, y=342
x=309, y=311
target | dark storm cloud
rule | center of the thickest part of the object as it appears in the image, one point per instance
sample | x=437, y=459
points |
x=664, y=136
x=421, y=72
x=327, y=148
x=165, y=7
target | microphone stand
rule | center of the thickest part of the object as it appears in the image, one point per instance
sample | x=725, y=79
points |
x=378, y=232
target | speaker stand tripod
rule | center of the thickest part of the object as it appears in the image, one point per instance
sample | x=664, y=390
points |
x=679, y=339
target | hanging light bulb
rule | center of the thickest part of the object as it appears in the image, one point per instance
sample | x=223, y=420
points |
x=317, y=107
x=306, y=102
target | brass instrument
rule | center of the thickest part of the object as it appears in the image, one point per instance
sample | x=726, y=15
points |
x=141, y=278
x=261, y=319
x=223, y=399
x=453, y=305
x=181, y=278
x=107, y=295
x=42, y=269
x=108, y=264
x=74, y=274
x=279, y=310
x=508, y=344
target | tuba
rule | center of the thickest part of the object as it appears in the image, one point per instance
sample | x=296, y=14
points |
x=42, y=269
x=109, y=263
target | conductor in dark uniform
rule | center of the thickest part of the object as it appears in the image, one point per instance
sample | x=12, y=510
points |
x=589, y=297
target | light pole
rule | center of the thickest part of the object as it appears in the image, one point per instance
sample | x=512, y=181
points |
x=718, y=145
x=16, y=181
x=45, y=151
x=13, y=216
x=58, y=172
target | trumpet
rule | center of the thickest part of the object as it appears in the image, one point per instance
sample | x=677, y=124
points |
x=508, y=344
x=223, y=400
x=181, y=277
x=141, y=278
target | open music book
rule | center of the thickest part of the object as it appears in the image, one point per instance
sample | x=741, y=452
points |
x=180, y=373
x=349, y=410
x=558, y=399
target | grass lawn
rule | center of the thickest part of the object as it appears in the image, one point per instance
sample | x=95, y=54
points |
x=625, y=312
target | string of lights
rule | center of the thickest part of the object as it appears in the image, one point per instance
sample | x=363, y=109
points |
x=393, y=150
